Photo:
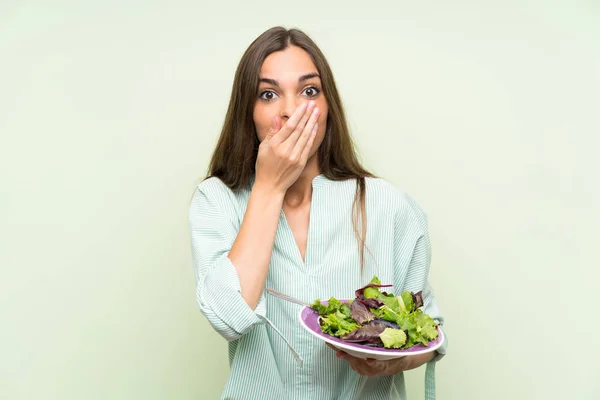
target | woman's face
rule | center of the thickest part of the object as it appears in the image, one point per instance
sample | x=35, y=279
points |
x=288, y=78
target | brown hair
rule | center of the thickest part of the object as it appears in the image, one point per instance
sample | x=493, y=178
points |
x=234, y=161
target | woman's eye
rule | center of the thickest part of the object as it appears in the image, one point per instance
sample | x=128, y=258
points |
x=268, y=95
x=311, y=91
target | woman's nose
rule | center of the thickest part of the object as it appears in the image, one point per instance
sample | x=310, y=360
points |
x=289, y=107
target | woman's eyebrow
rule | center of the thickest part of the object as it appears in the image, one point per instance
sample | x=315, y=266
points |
x=308, y=76
x=300, y=80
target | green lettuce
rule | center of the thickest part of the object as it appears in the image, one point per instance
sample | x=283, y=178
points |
x=421, y=328
x=393, y=338
x=390, y=301
x=333, y=305
x=404, y=312
x=371, y=292
x=407, y=300
x=338, y=324
x=385, y=312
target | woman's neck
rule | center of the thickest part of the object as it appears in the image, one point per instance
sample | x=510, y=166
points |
x=300, y=193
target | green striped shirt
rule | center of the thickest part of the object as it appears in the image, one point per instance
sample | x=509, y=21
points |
x=271, y=356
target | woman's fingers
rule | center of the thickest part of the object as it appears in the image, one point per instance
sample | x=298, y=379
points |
x=293, y=138
x=307, y=148
x=275, y=125
x=307, y=133
x=368, y=367
x=372, y=367
x=288, y=128
x=274, y=128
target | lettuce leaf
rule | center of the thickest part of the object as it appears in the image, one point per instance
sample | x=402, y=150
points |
x=412, y=301
x=387, y=314
x=385, y=323
x=371, y=303
x=368, y=334
x=393, y=338
x=371, y=290
x=391, y=301
x=421, y=328
x=426, y=330
x=361, y=313
x=337, y=324
x=333, y=305
x=407, y=300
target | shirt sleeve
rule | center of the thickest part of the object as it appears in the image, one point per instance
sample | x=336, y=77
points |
x=415, y=277
x=213, y=229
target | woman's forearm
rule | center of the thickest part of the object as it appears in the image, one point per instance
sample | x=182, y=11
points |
x=251, y=251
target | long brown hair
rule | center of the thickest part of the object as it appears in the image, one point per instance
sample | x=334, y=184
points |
x=234, y=161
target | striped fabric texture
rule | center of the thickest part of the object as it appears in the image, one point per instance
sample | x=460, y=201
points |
x=271, y=356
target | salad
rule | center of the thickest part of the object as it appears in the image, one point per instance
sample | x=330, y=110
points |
x=378, y=319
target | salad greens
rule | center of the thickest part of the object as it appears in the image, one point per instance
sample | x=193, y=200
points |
x=393, y=338
x=379, y=319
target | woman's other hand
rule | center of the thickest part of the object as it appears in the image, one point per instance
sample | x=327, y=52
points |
x=371, y=367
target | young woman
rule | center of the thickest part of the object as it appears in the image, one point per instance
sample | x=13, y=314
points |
x=287, y=205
